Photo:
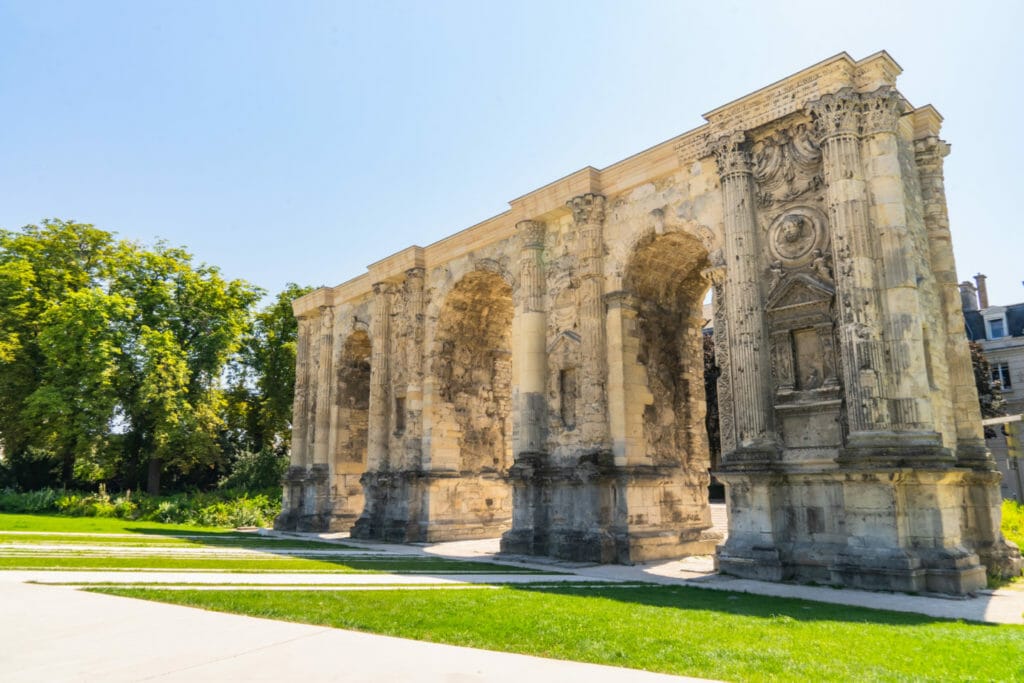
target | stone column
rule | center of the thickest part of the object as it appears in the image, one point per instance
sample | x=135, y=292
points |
x=748, y=348
x=627, y=391
x=377, y=436
x=531, y=346
x=321, y=446
x=971, y=451
x=588, y=214
x=415, y=291
x=908, y=396
x=836, y=119
x=300, y=405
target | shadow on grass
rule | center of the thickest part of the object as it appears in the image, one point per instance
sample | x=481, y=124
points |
x=775, y=609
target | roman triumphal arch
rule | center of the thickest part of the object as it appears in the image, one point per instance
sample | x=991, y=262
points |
x=539, y=376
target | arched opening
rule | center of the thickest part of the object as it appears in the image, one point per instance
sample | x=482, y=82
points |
x=471, y=430
x=664, y=277
x=352, y=406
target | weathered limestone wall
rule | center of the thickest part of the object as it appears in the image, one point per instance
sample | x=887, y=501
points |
x=540, y=374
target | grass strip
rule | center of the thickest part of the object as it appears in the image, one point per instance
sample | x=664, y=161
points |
x=19, y=522
x=351, y=565
x=670, y=629
x=222, y=540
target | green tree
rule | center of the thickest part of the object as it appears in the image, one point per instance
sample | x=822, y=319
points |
x=263, y=382
x=42, y=270
x=188, y=321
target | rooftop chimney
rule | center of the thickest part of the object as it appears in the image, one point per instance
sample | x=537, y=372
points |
x=982, y=291
x=968, y=296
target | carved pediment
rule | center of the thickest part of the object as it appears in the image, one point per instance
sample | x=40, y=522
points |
x=565, y=341
x=800, y=291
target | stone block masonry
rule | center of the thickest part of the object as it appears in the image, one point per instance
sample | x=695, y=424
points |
x=539, y=376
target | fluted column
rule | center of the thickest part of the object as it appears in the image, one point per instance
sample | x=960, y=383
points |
x=836, y=119
x=531, y=347
x=415, y=291
x=588, y=214
x=929, y=153
x=377, y=436
x=908, y=397
x=300, y=405
x=748, y=348
x=321, y=445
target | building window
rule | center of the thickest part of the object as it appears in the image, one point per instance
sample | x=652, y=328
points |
x=1001, y=374
x=996, y=329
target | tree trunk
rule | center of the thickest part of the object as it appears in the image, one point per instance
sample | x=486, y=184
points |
x=67, y=469
x=153, y=477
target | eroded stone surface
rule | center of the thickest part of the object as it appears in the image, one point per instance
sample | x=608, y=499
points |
x=540, y=374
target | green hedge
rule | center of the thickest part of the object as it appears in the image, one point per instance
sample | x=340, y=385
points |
x=219, y=508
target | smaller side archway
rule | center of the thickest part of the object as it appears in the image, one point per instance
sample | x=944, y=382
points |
x=351, y=406
x=470, y=443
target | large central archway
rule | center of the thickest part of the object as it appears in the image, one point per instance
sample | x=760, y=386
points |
x=667, y=505
x=470, y=452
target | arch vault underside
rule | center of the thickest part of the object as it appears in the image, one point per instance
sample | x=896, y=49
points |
x=540, y=376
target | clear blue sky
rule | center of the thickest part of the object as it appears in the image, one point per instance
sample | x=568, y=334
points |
x=301, y=141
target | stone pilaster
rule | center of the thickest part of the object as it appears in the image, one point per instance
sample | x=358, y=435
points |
x=300, y=405
x=837, y=119
x=726, y=416
x=627, y=388
x=416, y=293
x=747, y=339
x=588, y=214
x=530, y=348
x=321, y=445
x=908, y=397
x=971, y=451
x=380, y=394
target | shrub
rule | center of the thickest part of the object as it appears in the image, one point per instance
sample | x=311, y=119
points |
x=255, y=471
x=1013, y=521
x=43, y=500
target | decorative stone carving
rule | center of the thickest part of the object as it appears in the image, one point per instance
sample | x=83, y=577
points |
x=786, y=165
x=881, y=110
x=795, y=236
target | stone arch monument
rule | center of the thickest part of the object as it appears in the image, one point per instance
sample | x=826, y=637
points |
x=540, y=375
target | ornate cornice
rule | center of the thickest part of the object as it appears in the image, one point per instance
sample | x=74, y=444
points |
x=531, y=234
x=587, y=208
x=837, y=114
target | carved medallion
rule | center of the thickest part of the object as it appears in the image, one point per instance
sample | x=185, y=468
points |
x=795, y=236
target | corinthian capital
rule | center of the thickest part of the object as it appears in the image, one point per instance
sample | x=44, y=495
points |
x=930, y=149
x=531, y=234
x=732, y=154
x=836, y=114
x=587, y=208
x=880, y=110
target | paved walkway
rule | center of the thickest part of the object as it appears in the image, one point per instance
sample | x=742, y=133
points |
x=54, y=633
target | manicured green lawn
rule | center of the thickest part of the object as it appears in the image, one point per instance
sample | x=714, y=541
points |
x=265, y=563
x=102, y=525
x=178, y=539
x=669, y=629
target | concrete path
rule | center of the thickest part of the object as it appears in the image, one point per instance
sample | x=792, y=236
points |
x=50, y=633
